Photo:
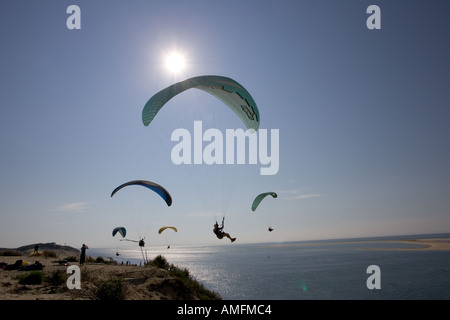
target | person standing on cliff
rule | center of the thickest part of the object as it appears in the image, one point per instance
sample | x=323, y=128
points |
x=83, y=254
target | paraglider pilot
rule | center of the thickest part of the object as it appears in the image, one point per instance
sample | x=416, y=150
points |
x=219, y=232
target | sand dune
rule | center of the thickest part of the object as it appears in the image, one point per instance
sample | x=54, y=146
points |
x=139, y=283
x=419, y=244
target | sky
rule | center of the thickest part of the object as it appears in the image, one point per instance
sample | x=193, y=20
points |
x=363, y=118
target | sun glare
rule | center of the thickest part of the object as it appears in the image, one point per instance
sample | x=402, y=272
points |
x=175, y=62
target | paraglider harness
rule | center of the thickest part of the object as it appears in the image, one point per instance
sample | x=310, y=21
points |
x=219, y=230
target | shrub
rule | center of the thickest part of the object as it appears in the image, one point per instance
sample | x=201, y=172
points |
x=57, y=278
x=111, y=289
x=49, y=254
x=9, y=253
x=33, y=277
x=100, y=260
x=160, y=262
x=105, y=261
x=71, y=259
x=184, y=275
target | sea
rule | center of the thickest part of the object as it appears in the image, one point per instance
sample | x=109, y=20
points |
x=339, y=269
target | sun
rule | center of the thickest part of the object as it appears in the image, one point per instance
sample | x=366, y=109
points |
x=175, y=62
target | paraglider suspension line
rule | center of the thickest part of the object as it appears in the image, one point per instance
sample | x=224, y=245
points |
x=223, y=220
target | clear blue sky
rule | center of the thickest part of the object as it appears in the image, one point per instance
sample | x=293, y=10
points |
x=363, y=117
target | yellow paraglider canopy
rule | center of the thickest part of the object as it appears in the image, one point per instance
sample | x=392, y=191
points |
x=164, y=228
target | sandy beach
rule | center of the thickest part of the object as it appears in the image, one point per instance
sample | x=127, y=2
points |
x=418, y=244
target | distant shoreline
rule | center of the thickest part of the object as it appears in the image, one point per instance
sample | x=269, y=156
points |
x=422, y=244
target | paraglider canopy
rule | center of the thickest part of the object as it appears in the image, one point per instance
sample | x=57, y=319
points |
x=121, y=230
x=260, y=197
x=148, y=184
x=164, y=228
x=234, y=95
